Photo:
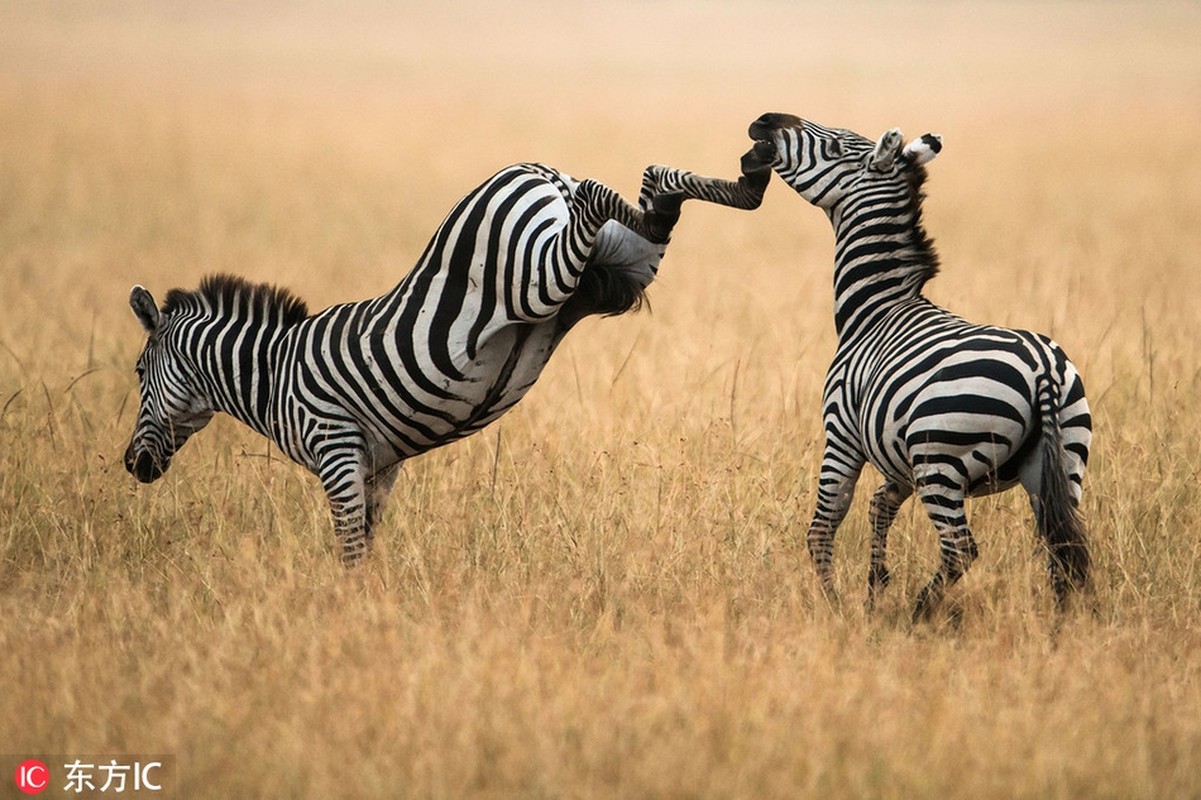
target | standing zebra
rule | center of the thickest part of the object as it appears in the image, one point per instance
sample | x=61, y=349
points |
x=353, y=391
x=938, y=405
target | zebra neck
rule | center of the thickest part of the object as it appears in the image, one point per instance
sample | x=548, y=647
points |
x=882, y=258
x=237, y=360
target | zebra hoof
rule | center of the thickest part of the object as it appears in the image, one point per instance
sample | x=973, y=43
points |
x=663, y=216
x=924, y=608
x=352, y=558
x=878, y=577
x=756, y=163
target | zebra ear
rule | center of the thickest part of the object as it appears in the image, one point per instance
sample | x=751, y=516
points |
x=144, y=308
x=887, y=149
x=923, y=149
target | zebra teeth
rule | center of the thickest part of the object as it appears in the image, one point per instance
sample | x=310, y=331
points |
x=765, y=148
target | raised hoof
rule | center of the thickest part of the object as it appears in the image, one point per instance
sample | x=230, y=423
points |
x=663, y=216
x=756, y=163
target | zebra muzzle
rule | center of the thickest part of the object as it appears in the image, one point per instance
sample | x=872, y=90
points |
x=762, y=129
x=143, y=466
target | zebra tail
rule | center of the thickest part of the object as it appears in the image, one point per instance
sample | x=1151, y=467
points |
x=1059, y=521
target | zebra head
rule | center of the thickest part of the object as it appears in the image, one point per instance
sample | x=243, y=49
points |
x=172, y=405
x=824, y=164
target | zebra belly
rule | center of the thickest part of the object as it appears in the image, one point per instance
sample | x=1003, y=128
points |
x=508, y=364
x=413, y=419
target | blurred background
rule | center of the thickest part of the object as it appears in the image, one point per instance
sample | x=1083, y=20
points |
x=319, y=147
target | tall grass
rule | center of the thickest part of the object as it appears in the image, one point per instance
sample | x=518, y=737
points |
x=606, y=593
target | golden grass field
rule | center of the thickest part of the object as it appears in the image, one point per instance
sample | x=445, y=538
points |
x=606, y=594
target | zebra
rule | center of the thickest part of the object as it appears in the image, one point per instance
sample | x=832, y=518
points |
x=941, y=407
x=352, y=392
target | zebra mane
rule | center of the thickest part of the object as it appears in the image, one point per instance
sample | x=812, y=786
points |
x=926, y=255
x=230, y=290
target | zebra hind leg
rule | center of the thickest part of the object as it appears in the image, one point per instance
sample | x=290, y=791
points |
x=883, y=510
x=745, y=193
x=594, y=204
x=664, y=189
x=613, y=270
x=944, y=504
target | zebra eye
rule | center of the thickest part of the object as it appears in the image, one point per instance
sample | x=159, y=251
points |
x=835, y=147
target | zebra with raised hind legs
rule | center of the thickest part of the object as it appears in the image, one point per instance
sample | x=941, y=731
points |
x=940, y=406
x=355, y=390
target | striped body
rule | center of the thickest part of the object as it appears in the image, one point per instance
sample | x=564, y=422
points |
x=941, y=407
x=923, y=390
x=355, y=390
x=456, y=344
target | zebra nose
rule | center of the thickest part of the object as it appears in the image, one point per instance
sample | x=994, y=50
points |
x=143, y=466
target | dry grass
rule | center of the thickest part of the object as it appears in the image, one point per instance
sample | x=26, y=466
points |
x=602, y=595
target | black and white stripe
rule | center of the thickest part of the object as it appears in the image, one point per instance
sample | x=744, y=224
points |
x=355, y=390
x=938, y=405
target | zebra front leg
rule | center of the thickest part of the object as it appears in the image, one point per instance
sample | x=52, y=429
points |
x=745, y=193
x=883, y=510
x=836, y=488
x=342, y=473
x=943, y=498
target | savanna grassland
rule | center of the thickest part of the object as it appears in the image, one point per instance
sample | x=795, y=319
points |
x=606, y=593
